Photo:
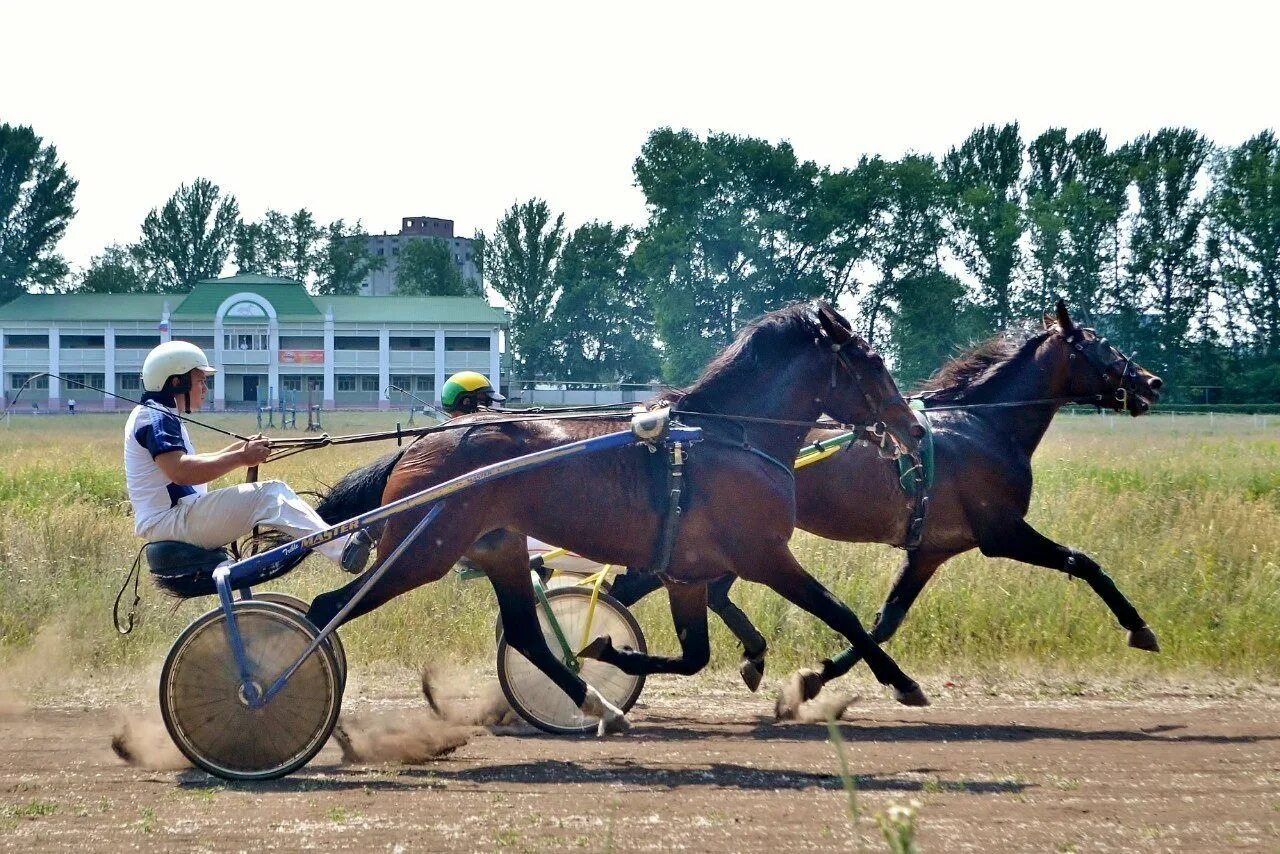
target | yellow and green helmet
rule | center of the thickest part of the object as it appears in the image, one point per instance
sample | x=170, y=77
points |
x=465, y=391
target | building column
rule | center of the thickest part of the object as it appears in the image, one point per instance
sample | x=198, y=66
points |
x=440, y=377
x=55, y=367
x=495, y=361
x=329, y=383
x=220, y=378
x=384, y=366
x=109, y=368
x=273, y=361
x=165, y=330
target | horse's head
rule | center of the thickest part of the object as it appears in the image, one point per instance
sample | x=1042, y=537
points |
x=1097, y=372
x=861, y=390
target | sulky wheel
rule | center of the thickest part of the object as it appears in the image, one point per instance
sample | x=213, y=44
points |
x=539, y=700
x=335, y=642
x=204, y=703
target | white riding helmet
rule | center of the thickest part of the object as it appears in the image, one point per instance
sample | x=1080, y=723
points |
x=170, y=358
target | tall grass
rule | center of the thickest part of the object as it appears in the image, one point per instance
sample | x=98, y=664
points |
x=1184, y=514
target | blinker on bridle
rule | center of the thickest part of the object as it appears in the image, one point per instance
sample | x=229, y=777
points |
x=1106, y=369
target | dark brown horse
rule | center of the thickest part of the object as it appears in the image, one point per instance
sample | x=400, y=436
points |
x=792, y=366
x=982, y=484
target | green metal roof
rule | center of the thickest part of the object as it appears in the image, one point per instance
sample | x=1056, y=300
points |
x=289, y=297
x=394, y=309
x=88, y=307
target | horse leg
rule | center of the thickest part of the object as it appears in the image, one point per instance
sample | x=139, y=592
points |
x=917, y=568
x=916, y=571
x=631, y=587
x=1019, y=541
x=753, y=643
x=792, y=582
x=503, y=556
x=689, y=614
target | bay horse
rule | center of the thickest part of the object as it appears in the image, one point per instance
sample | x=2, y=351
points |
x=760, y=396
x=1005, y=393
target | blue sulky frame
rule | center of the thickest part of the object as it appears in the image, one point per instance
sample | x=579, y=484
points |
x=228, y=578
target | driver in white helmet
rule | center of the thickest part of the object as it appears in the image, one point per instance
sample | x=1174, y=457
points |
x=167, y=479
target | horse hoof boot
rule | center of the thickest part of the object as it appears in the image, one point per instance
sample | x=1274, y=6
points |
x=752, y=671
x=612, y=719
x=803, y=685
x=912, y=697
x=1144, y=638
x=596, y=648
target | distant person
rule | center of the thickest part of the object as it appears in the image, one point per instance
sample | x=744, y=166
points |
x=35, y=408
x=168, y=481
x=71, y=406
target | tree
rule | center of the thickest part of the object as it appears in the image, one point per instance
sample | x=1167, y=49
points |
x=602, y=325
x=519, y=260
x=984, y=177
x=426, y=268
x=189, y=238
x=345, y=259
x=736, y=228
x=1165, y=273
x=36, y=204
x=287, y=245
x=114, y=271
x=1091, y=205
x=1246, y=213
x=924, y=305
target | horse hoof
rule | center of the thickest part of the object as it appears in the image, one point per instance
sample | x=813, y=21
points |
x=596, y=648
x=803, y=685
x=913, y=697
x=811, y=682
x=752, y=671
x=612, y=719
x=1144, y=638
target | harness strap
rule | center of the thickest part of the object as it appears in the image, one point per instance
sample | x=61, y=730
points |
x=125, y=626
x=671, y=516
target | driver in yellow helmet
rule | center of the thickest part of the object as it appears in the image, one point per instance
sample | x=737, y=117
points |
x=466, y=391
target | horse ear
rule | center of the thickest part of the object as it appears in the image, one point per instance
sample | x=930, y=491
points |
x=1049, y=321
x=836, y=327
x=1064, y=319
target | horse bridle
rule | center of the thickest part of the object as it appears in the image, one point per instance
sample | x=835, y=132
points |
x=879, y=431
x=1107, y=369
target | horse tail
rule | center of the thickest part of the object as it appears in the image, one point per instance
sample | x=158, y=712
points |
x=359, y=491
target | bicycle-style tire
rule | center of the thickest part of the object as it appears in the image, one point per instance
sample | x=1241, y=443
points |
x=201, y=698
x=539, y=700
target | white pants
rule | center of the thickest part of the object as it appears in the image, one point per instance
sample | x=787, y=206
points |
x=223, y=515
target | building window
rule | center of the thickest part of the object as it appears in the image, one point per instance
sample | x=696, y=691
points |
x=353, y=342
x=413, y=343
x=425, y=383
x=467, y=344
x=346, y=382
x=137, y=342
x=129, y=382
x=291, y=383
x=381, y=251
x=75, y=380
x=368, y=383
x=244, y=341
x=301, y=342
x=81, y=342
x=32, y=341
x=17, y=381
x=204, y=342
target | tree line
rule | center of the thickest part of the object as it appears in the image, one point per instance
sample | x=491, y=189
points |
x=1167, y=243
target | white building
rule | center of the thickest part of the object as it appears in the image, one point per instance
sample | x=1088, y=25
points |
x=270, y=338
x=388, y=246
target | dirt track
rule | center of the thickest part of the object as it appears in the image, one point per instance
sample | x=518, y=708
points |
x=705, y=772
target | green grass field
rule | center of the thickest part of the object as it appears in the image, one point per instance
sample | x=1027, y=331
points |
x=1184, y=512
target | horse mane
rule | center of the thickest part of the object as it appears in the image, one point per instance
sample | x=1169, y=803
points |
x=768, y=341
x=977, y=368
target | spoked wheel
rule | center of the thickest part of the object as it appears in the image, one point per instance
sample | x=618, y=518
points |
x=539, y=700
x=335, y=642
x=206, y=708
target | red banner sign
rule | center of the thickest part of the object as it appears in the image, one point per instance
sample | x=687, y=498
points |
x=302, y=357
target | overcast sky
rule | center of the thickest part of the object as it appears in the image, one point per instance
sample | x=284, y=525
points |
x=377, y=111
